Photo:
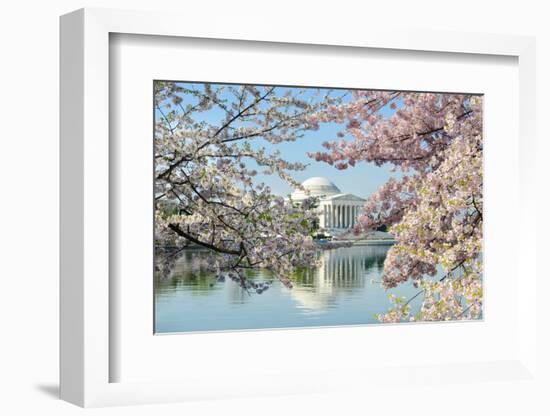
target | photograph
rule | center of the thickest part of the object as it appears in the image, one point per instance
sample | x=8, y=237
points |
x=280, y=206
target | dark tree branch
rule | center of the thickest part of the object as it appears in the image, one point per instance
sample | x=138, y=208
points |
x=177, y=229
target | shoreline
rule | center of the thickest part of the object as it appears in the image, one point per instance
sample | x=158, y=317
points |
x=362, y=242
x=370, y=242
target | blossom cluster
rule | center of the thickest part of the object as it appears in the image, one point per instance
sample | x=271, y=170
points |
x=435, y=209
x=208, y=151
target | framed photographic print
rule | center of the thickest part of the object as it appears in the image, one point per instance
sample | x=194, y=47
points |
x=273, y=214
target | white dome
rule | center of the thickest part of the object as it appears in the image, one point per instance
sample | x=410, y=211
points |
x=316, y=186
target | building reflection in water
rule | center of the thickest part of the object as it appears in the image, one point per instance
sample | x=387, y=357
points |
x=336, y=292
x=340, y=272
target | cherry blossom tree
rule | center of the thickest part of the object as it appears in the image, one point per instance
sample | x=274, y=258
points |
x=208, y=149
x=435, y=209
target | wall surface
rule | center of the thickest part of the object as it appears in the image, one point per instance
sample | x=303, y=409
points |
x=29, y=209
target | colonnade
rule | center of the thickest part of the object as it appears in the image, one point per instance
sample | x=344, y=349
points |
x=340, y=215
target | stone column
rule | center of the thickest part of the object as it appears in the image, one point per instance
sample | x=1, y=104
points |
x=343, y=216
x=346, y=216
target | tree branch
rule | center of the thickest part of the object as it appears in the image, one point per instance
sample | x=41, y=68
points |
x=177, y=229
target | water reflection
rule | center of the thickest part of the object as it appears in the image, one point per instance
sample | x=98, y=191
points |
x=340, y=271
x=339, y=291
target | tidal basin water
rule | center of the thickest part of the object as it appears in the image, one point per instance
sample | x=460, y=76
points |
x=343, y=290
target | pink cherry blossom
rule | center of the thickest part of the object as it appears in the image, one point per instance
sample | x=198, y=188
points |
x=435, y=211
x=205, y=193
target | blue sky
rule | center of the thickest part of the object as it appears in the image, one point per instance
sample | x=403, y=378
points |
x=362, y=180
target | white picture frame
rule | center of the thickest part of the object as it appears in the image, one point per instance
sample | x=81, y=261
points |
x=86, y=353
